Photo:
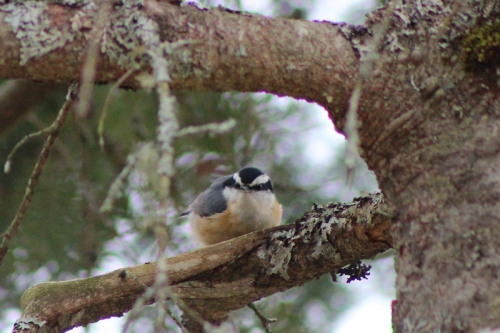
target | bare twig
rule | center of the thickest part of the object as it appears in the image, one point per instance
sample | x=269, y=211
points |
x=89, y=67
x=139, y=303
x=105, y=108
x=266, y=322
x=174, y=317
x=150, y=292
x=191, y=313
x=213, y=128
x=63, y=150
x=167, y=127
x=52, y=131
x=116, y=187
x=8, y=163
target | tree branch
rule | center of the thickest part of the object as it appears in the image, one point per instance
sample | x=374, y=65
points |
x=228, y=50
x=52, y=131
x=218, y=279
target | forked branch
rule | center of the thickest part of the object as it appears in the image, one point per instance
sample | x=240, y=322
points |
x=52, y=131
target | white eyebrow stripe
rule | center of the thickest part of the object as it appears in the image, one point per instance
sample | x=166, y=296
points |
x=262, y=179
x=237, y=179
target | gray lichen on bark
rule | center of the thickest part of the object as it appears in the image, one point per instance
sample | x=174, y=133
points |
x=34, y=30
x=39, y=34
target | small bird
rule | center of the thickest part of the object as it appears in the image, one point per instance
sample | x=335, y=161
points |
x=234, y=205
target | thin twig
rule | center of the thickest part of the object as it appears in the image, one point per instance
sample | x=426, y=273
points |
x=115, y=190
x=8, y=163
x=53, y=131
x=105, y=108
x=191, y=313
x=139, y=303
x=168, y=125
x=174, y=317
x=126, y=273
x=212, y=128
x=90, y=65
x=266, y=322
x=160, y=291
x=63, y=150
x=161, y=285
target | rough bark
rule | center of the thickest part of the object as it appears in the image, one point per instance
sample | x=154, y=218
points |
x=216, y=280
x=428, y=120
x=223, y=50
x=430, y=131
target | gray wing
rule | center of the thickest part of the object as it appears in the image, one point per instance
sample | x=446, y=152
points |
x=211, y=201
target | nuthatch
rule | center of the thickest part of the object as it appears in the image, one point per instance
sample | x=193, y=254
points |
x=234, y=205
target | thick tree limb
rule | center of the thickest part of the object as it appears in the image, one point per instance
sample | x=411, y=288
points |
x=218, y=279
x=220, y=50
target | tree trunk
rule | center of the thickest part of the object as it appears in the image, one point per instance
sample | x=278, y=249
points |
x=429, y=128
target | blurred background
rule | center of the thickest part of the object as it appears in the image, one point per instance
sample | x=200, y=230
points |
x=64, y=236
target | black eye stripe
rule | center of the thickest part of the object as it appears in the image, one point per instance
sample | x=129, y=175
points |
x=231, y=183
x=263, y=187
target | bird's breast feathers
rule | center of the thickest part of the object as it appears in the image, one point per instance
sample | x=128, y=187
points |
x=246, y=212
x=256, y=210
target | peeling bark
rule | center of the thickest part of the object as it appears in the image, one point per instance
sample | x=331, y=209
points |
x=216, y=280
